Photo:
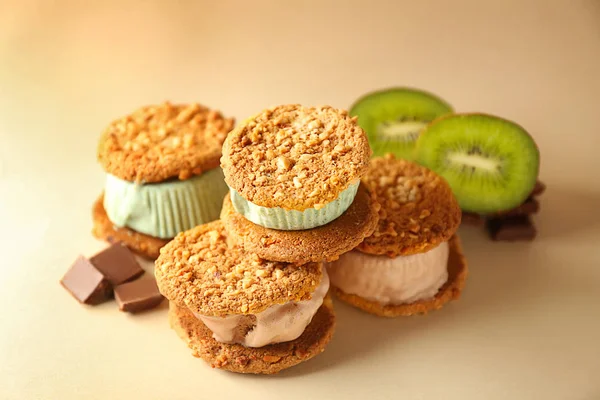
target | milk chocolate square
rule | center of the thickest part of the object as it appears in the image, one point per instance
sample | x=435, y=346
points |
x=118, y=264
x=86, y=283
x=530, y=206
x=469, y=218
x=511, y=229
x=139, y=295
x=538, y=189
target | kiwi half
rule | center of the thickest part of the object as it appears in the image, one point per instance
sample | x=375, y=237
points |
x=491, y=164
x=393, y=118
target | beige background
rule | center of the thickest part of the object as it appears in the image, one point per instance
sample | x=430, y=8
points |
x=528, y=325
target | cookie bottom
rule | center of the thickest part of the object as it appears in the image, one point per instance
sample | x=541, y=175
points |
x=324, y=243
x=247, y=360
x=451, y=290
x=144, y=245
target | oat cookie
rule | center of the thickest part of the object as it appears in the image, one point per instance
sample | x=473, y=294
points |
x=159, y=142
x=295, y=157
x=198, y=270
x=418, y=209
x=104, y=229
x=324, y=243
x=263, y=360
x=451, y=290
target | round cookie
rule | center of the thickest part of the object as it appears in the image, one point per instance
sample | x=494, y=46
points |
x=324, y=243
x=451, y=290
x=264, y=360
x=104, y=229
x=295, y=157
x=418, y=210
x=198, y=270
x=159, y=142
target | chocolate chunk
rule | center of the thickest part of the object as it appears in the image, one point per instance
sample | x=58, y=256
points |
x=139, y=295
x=511, y=228
x=117, y=264
x=530, y=206
x=538, y=189
x=469, y=218
x=86, y=283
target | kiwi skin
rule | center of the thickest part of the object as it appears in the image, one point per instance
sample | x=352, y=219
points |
x=483, y=200
x=395, y=104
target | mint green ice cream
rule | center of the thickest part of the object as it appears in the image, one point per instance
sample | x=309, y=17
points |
x=164, y=209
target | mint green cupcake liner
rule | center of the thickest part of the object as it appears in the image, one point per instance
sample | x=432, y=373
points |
x=164, y=209
x=293, y=220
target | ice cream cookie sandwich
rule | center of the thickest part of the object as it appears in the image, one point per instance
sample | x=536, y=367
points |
x=163, y=174
x=413, y=263
x=294, y=178
x=239, y=312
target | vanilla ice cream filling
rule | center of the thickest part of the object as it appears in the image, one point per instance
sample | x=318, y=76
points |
x=278, y=323
x=399, y=280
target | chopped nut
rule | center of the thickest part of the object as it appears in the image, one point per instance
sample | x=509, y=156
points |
x=188, y=141
x=260, y=273
x=284, y=163
x=185, y=114
x=425, y=214
x=414, y=228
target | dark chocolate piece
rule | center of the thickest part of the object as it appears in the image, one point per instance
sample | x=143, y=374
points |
x=511, y=229
x=86, y=283
x=469, y=218
x=117, y=264
x=530, y=206
x=139, y=295
x=538, y=189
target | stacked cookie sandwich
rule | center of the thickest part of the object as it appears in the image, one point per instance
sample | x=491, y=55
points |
x=163, y=175
x=413, y=263
x=249, y=293
x=239, y=312
x=294, y=177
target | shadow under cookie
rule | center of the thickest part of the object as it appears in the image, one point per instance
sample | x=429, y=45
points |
x=144, y=245
x=269, y=359
x=324, y=243
x=451, y=290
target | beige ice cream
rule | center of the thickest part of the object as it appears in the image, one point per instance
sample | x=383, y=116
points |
x=398, y=280
x=278, y=323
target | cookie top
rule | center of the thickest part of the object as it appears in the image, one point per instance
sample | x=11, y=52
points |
x=295, y=157
x=198, y=270
x=418, y=210
x=159, y=142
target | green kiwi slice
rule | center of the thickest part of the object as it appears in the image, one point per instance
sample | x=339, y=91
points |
x=393, y=118
x=490, y=163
